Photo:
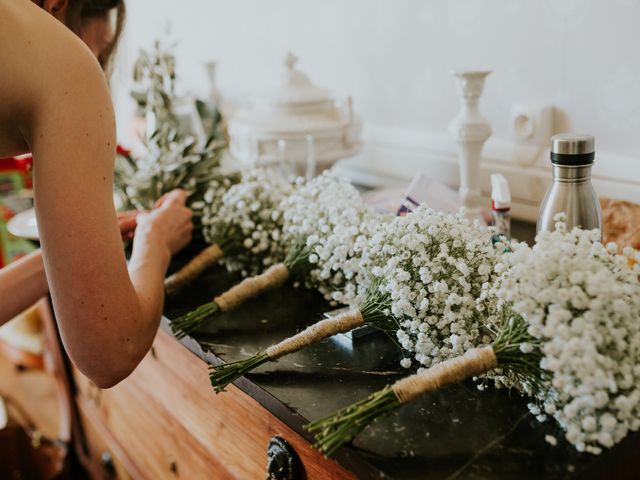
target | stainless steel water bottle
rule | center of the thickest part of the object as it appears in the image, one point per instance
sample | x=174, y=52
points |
x=571, y=191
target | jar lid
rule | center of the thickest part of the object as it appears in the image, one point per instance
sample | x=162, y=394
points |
x=572, y=149
x=295, y=90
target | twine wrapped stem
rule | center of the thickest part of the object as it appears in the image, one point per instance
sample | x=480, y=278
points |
x=223, y=375
x=318, y=331
x=274, y=277
x=473, y=363
x=334, y=431
x=192, y=270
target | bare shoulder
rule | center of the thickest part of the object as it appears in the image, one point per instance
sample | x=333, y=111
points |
x=40, y=59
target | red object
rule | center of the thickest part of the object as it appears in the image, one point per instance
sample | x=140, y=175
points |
x=22, y=164
x=493, y=207
x=120, y=150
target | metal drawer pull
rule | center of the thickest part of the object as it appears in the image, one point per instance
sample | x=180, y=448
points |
x=282, y=461
x=108, y=467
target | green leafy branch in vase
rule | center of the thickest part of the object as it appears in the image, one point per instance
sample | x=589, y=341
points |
x=173, y=158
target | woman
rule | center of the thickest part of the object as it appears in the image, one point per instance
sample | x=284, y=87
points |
x=55, y=103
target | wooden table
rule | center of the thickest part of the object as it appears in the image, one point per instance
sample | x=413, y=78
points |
x=165, y=421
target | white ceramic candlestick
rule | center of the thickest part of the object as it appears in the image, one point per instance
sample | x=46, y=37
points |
x=470, y=130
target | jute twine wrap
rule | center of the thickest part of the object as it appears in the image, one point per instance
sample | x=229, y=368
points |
x=198, y=264
x=318, y=331
x=474, y=362
x=274, y=277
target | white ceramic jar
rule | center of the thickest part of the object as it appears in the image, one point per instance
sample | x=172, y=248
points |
x=298, y=113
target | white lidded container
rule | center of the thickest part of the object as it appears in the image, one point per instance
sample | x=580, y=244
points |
x=300, y=115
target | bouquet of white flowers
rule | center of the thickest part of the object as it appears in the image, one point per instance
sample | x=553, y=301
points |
x=309, y=214
x=581, y=302
x=329, y=227
x=248, y=223
x=563, y=318
x=434, y=266
x=331, y=215
x=211, y=200
x=245, y=232
x=395, y=256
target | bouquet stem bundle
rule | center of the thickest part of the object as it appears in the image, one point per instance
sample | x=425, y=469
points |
x=274, y=277
x=371, y=312
x=192, y=270
x=223, y=375
x=334, y=431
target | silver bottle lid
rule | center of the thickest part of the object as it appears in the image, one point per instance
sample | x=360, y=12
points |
x=572, y=149
x=573, y=143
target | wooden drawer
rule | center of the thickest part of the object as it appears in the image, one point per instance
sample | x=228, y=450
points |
x=169, y=423
x=99, y=446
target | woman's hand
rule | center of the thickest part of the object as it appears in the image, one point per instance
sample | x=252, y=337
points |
x=128, y=222
x=169, y=222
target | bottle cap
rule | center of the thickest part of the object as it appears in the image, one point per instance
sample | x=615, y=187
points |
x=572, y=149
x=500, y=193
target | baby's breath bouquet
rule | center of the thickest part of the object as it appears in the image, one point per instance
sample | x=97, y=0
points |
x=310, y=213
x=563, y=321
x=330, y=214
x=209, y=201
x=245, y=232
x=401, y=256
x=435, y=265
x=581, y=302
x=249, y=222
x=328, y=226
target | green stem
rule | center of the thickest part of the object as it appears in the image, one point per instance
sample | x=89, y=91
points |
x=187, y=323
x=223, y=375
x=297, y=259
x=340, y=428
x=298, y=262
x=513, y=334
x=334, y=431
x=374, y=306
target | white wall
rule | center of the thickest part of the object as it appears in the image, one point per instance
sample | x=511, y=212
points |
x=393, y=56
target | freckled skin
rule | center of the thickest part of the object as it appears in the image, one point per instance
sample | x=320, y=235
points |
x=55, y=103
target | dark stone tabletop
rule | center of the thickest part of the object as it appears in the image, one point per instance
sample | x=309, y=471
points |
x=457, y=433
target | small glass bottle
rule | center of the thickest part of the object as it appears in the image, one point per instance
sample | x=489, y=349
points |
x=500, y=205
x=571, y=192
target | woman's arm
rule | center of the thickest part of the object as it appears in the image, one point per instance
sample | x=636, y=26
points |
x=24, y=282
x=107, y=319
x=21, y=285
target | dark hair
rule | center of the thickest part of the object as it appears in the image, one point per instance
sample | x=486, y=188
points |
x=78, y=11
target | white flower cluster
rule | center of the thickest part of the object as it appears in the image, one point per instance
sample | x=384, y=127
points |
x=247, y=221
x=329, y=212
x=582, y=302
x=434, y=266
x=169, y=163
x=205, y=205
